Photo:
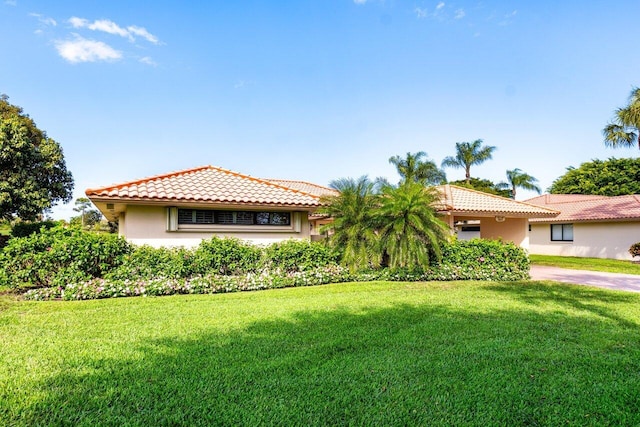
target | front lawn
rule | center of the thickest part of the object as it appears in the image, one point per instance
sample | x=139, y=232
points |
x=378, y=353
x=592, y=264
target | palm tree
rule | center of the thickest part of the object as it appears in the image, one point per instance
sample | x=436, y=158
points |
x=625, y=129
x=467, y=155
x=519, y=179
x=353, y=230
x=414, y=168
x=409, y=229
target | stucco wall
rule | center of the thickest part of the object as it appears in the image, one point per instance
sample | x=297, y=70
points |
x=597, y=240
x=511, y=230
x=148, y=225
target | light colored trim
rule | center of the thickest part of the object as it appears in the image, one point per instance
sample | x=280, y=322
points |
x=172, y=219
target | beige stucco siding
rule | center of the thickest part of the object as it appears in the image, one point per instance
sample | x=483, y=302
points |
x=511, y=230
x=597, y=240
x=148, y=225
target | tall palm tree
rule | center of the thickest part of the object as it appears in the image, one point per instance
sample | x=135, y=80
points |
x=624, y=130
x=409, y=229
x=353, y=227
x=467, y=155
x=417, y=167
x=519, y=179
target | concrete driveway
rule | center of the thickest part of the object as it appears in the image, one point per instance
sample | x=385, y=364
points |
x=617, y=281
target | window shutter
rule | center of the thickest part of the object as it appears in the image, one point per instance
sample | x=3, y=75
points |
x=172, y=219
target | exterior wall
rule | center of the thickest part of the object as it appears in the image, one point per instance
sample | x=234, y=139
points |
x=595, y=240
x=511, y=229
x=148, y=225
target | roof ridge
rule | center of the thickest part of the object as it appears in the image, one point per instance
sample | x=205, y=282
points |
x=149, y=178
x=301, y=182
x=501, y=197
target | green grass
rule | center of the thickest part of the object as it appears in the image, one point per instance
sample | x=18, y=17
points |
x=442, y=353
x=593, y=264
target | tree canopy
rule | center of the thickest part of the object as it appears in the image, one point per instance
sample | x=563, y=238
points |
x=469, y=154
x=484, y=185
x=624, y=129
x=517, y=178
x=417, y=167
x=612, y=177
x=33, y=172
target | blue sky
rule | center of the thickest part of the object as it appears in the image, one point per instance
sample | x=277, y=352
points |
x=318, y=90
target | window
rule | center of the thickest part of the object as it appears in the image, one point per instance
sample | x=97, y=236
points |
x=562, y=232
x=202, y=216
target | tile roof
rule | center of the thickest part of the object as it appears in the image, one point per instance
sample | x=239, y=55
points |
x=307, y=187
x=206, y=184
x=465, y=200
x=579, y=207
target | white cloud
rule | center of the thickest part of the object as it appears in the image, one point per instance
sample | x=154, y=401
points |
x=459, y=14
x=421, y=13
x=142, y=32
x=440, y=5
x=44, y=19
x=111, y=27
x=11, y=2
x=359, y=1
x=147, y=60
x=84, y=50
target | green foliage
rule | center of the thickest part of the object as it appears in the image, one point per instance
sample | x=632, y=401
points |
x=484, y=185
x=146, y=262
x=88, y=219
x=612, y=177
x=416, y=167
x=299, y=255
x=624, y=130
x=352, y=230
x=519, y=179
x=408, y=227
x=469, y=154
x=58, y=256
x=24, y=229
x=226, y=256
x=634, y=250
x=33, y=173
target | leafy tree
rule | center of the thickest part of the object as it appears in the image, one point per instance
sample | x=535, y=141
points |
x=88, y=219
x=82, y=204
x=484, y=185
x=409, y=229
x=519, y=179
x=353, y=227
x=612, y=177
x=624, y=130
x=33, y=173
x=417, y=167
x=469, y=154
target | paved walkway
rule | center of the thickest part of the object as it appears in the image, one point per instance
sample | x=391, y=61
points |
x=621, y=282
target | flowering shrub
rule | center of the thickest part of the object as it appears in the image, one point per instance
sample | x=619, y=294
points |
x=221, y=265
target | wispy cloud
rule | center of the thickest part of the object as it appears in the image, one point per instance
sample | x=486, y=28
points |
x=459, y=14
x=359, y=1
x=111, y=27
x=147, y=60
x=421, y=12
x=440, y=5
x=508, y=18
x=11, y=2
x=80, y=49
x=44, y=19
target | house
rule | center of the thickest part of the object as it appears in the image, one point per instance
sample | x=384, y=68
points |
x=473, y=213
x=588, y=226
x=182, y=208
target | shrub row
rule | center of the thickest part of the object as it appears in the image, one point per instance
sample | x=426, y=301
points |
x=69, y=263
x=57, y=256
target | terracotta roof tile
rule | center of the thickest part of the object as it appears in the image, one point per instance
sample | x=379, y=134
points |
x=206, y=184
x=307, y=187
x=579, y=207
x=464, y=200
